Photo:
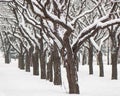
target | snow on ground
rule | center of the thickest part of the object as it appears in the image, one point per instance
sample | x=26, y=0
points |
x=15, y=82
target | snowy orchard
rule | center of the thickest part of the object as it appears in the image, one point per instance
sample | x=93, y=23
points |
x=55, y=30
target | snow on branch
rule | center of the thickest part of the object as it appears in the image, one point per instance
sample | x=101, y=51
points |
x=6, y=0
x=83, y=14
x=27, y=32
x=14, y=44
x=115, y=0
x=85, y=33
x=98, y=47
x=47, y=15
x=89, y=28
x=54, y=38
x=94, y=44
x=108, y=23
x=28, y=16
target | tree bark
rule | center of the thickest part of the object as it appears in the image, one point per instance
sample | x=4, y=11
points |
x=57, y=67
x=43, y=66
x=7, y=57
x=114, y=52
x=90, y=59
x=84, y=58
x=119, y=56
x=35, y=63
x=76, y=61
x=114, y=55
x=108, y=52
x=42, y=60
x=71, y=69
x=50, y=68
x=108, y=55
x=28, y=57
x=21, y=61
x=100, y=63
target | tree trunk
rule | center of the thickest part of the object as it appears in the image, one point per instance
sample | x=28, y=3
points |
x=43, y=65
x=42, y=60
x=100, y=63
x=76, y=61
x=119, y=56
x=71, y=69
x=50, y=68
x=57, y=67
x=28, y=57
x=21, y=61
x=7, y=57
x=90, y=59
x=35, y=63
x=84, y=58
x=108, y=54
x=114, y=55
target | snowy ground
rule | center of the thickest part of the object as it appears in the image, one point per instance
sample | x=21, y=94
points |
x=15, y=82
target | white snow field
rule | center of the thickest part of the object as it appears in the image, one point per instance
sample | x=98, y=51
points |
x=15, y=82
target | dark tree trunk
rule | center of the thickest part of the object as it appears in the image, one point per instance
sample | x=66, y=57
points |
x=57, y=67
x=100, y=63
x=90, y=59
x=28, y=58
x=43, y=66
x=119, y=55
x=108, y=55
x=35, y=63
x=114, y=55
x=21, y=64
x=21, y=61
x=7, y=57
x=84, y=58
x=42, y=60
x=50, y=68
x=76, y=61
x=71, y=69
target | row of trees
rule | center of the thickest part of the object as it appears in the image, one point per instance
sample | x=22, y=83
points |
x=51, y=33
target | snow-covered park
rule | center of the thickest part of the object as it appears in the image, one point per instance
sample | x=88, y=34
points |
x=71, y=43
x=16, y=82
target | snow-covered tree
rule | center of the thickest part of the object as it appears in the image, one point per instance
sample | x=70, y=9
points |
x=59, y=21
